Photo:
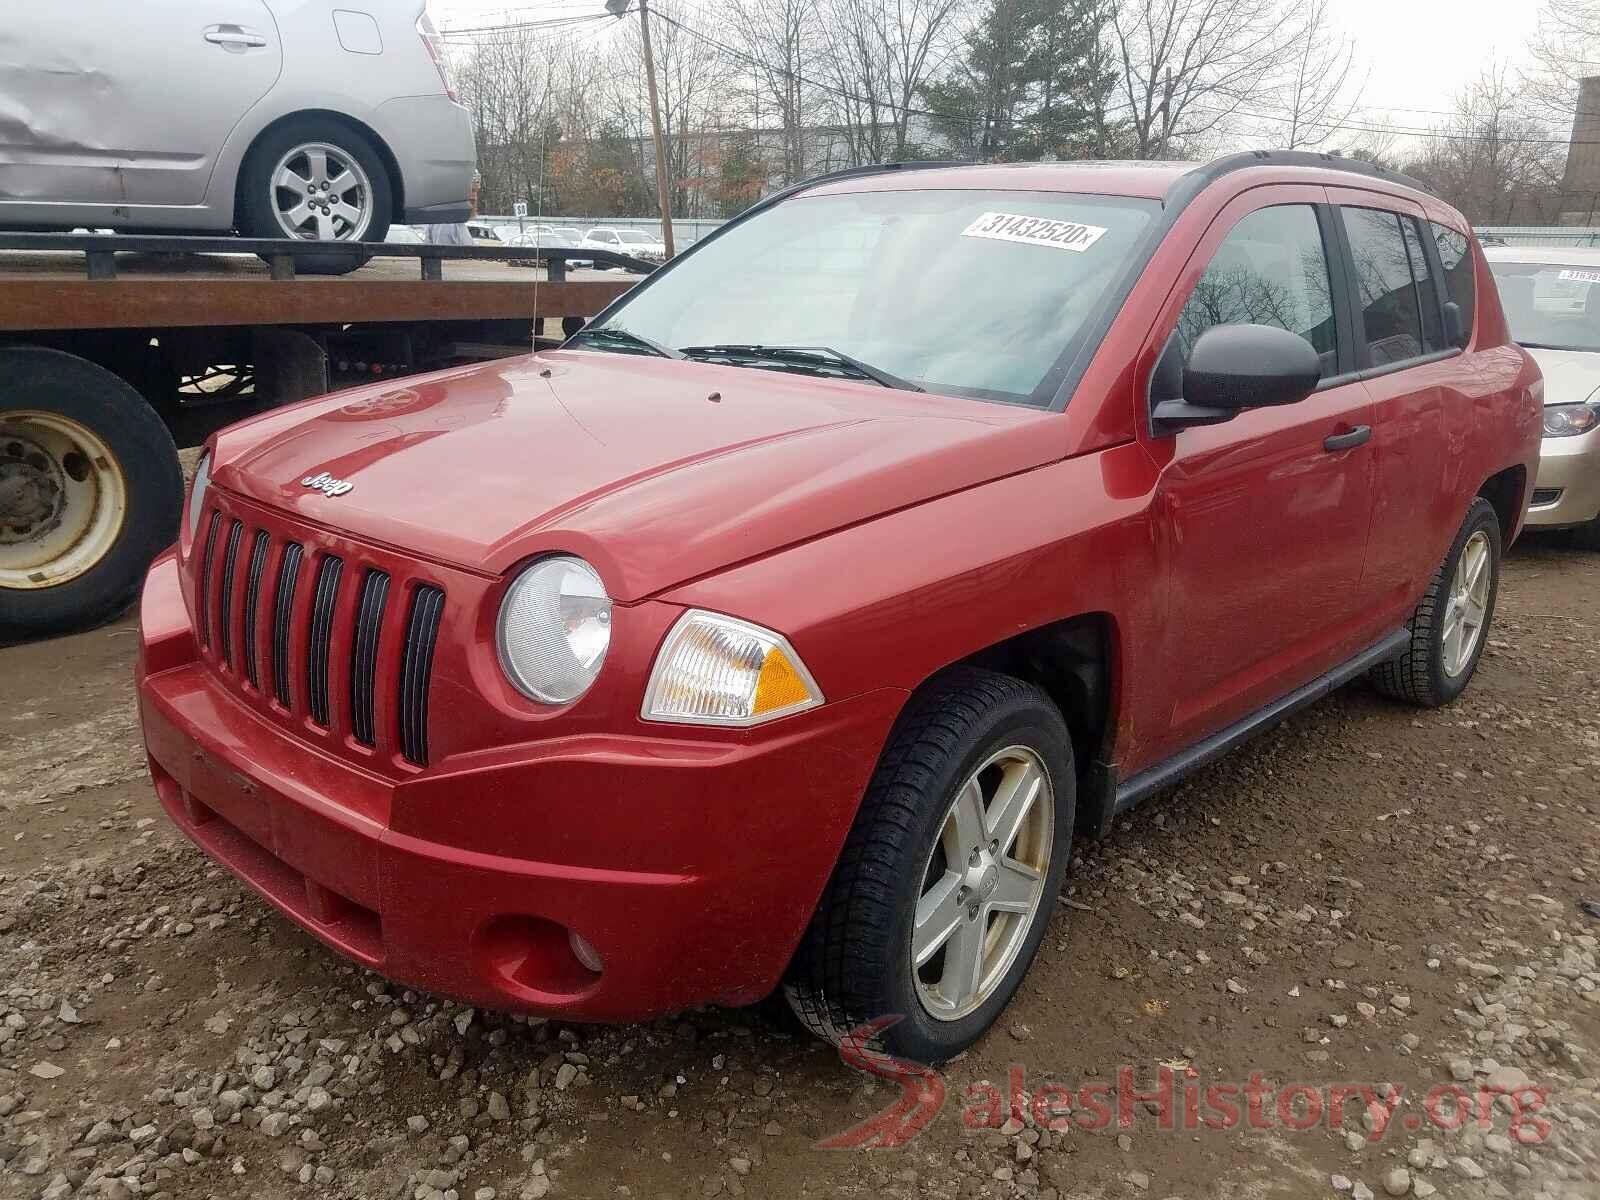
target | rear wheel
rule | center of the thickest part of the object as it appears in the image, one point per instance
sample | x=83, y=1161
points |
x=948, y=878
x=316, y=179
x=1450, y=625
x=90, y=492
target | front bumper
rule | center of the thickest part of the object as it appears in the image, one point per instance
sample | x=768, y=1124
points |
x=691, y=865
x=1569, y=467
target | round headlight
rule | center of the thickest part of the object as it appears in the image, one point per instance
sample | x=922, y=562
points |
x=554, y=628
x=197, y=491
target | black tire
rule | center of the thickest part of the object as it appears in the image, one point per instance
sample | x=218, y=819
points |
x=853, y=965
x=256, y=216
x=1419, y=675
x=51, y=381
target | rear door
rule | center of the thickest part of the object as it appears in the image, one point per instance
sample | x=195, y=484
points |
x=1267, y=514
x=1409, y=372
x=118, y=103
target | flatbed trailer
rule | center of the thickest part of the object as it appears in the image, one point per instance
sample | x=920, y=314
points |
x=117, y=350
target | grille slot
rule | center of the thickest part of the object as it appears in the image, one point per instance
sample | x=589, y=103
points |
x=202, y=591
x=282, y=613
x=364, y=654
x=252, y=605
x=230, y=561
x=416, y=670
x=1543, y=496
x=322, y=604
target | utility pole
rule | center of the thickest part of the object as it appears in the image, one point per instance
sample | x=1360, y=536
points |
x=663, y=196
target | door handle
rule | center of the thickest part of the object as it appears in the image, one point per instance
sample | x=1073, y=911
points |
x=1359, y=436
x=232, y=37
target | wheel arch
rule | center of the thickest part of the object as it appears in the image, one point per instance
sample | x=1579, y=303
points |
x=1507, y=492
x=1075, y=662
x=391, y=165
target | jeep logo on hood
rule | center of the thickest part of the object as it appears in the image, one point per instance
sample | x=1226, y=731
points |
x=327, y=484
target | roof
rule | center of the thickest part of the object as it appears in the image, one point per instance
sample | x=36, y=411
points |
x=1561, y=256
x=1151, y=180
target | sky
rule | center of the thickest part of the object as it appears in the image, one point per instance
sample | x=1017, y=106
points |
x=1416, y=53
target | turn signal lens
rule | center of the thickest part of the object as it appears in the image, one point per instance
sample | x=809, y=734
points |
x=716, y=670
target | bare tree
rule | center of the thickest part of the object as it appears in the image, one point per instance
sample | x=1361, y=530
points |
x=1321, y=89
x=1490, y=160
x=779, y=39
x=1565, y=49
x=1189, y=67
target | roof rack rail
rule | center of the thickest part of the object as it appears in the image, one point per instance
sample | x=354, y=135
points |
x=1218, y=167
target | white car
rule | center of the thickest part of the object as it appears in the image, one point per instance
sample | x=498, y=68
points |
x=1551, y=299
x=316, y=119
x=626, y=241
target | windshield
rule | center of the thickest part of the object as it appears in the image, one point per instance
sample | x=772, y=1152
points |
x=975, y=293
x=1551, y=305
x=634, y=236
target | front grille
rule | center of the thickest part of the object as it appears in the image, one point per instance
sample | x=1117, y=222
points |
x=416, y=669
x=322, y=605
x=230, y=561
x=364, y=655
x=252, y=606
x=1543, y=496
x=350, y=664
x=202, y=592
x=282, y=615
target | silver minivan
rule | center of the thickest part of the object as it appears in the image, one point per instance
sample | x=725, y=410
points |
x=316, y=119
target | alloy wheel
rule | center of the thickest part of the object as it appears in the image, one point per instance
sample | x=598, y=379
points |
x=1467, y=604
x=983, y=883
x=321, y=193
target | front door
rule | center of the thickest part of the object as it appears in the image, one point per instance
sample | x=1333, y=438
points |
x=1266, y=514
x=107, y=102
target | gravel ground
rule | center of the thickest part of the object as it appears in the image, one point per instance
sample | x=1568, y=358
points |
x=1369, y=895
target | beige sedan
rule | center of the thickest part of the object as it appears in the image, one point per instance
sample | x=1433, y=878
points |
x=1552, y=301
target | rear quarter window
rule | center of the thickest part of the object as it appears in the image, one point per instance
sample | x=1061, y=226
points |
x=1455, y=258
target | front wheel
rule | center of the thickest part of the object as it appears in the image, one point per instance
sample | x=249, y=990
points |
x=1450, y=625
x=90, y=492
x=948, y=878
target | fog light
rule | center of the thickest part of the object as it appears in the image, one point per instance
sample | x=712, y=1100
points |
x=586, y=954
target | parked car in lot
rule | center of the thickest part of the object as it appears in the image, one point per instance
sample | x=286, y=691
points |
x=626, y=241
x=1552, y=301
x=788, y=623
x=277, y=118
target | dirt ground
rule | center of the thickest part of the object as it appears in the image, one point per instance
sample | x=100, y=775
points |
x=1371, y=895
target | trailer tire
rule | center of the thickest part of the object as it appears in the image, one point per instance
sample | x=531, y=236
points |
x=90, y=492
x=258, y=211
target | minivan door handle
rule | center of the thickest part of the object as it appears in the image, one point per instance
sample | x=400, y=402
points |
x=233, y=37
x=1358, y=436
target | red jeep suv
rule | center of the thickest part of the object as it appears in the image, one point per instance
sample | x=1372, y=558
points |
x=785, y=624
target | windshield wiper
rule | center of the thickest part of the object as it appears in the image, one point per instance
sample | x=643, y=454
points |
x=621, y=337
x=1546, y=346
x=804, y=357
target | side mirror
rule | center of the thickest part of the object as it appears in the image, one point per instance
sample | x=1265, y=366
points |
x=1455, y=333
x=1235, y=367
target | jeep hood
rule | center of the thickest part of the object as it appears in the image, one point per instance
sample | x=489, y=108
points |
x=657, y=471
x=1570, y=376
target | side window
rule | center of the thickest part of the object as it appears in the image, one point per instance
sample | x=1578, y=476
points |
x=1456, y=258
x=1271, y=269
x=1386, y=292
x=1427, y=294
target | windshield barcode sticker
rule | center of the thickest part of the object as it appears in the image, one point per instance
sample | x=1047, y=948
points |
x=1035, y=231
x=1581, y=276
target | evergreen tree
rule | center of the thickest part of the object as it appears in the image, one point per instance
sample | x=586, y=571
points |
x=1034, y=81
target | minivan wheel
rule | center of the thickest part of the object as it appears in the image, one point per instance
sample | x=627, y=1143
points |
x=316, y=179
x=949, y=875
x=1450, y=625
